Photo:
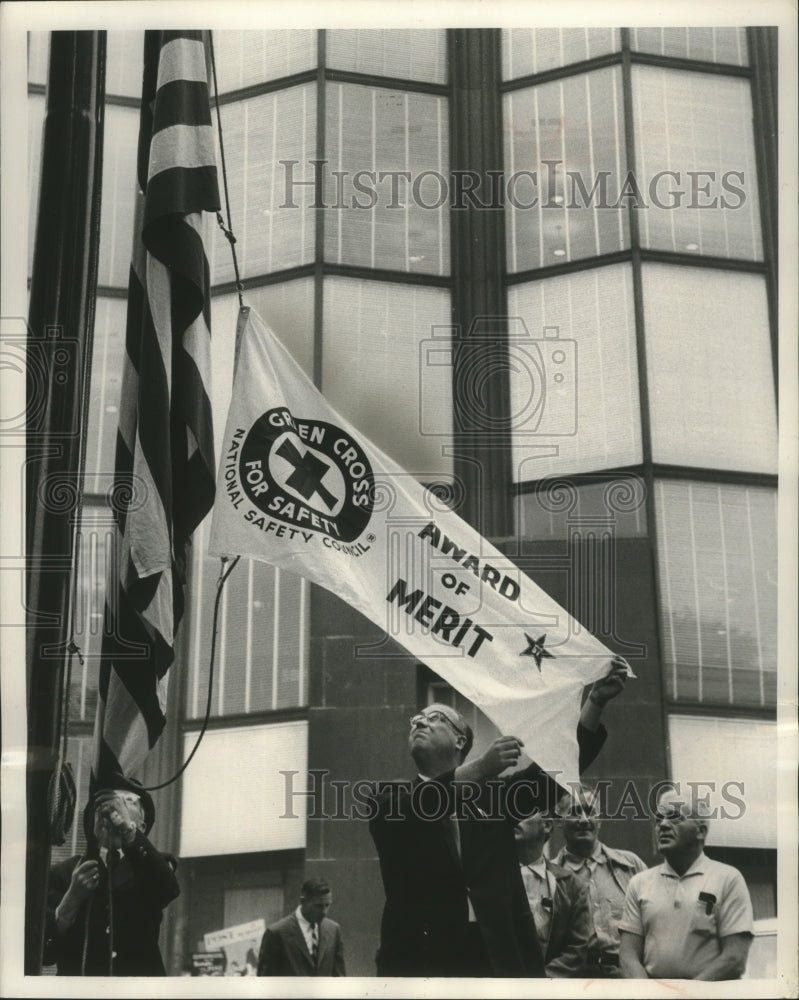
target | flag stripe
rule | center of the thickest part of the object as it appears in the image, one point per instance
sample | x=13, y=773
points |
x=181, y=147
x=178, y=101
x=182, y=58
x=165, y=467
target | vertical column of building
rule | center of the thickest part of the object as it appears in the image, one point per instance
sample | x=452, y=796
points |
x=481, y=390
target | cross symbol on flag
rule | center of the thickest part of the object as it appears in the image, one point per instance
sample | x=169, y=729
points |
x=535, y=648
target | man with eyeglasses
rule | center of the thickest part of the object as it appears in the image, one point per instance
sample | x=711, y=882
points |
x=691, y=917
x=455, y=901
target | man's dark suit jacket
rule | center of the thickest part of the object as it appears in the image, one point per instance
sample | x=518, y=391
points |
x=285, y=953
x=143, y=883
x=425, y=927
x=570, y=925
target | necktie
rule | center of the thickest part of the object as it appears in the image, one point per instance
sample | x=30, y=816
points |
x=314, y=943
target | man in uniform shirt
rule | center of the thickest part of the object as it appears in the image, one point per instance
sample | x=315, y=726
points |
x=606, y=872
x=558, y=901
x=691, y=917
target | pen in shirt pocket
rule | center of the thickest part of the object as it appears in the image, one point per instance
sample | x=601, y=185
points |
x=709, y=900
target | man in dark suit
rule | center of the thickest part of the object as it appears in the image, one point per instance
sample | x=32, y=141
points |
x=455, y=901
x=104, y=908
x=558, y=901
x=306, y=942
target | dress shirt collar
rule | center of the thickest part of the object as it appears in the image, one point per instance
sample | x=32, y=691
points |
x=538, y=868
x=305, y=925
x=577, y=861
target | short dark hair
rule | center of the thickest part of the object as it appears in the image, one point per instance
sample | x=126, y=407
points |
x=313, y=888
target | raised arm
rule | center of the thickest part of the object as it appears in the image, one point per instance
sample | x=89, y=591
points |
x=602, y=691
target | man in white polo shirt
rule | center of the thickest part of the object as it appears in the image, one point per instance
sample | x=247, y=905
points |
x=691, y=917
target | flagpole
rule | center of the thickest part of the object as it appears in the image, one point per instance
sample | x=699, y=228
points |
x=61, y=321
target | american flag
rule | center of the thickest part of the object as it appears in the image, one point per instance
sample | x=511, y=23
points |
x=165, y=469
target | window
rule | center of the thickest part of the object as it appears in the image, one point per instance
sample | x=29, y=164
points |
x=412, y=54
x=576, y=394
x=718, y=45
x=374, y=219
x=270, y=200
x=734, y=759
x=699, y=127
x=382, y=372
x=120, y=150
x=247, y=58
x=558, y=505
x=536, y=50
x=717, y=557
x=124, y=64
x=564, y=170
x=35, y=130
x=711, y=380
x=239, y=765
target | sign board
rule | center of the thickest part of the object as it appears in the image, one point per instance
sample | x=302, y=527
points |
x=240, y=945
x=208, y=963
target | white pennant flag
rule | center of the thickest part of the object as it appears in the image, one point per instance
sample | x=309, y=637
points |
x=300, y=488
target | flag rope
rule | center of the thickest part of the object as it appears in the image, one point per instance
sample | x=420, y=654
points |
x=220, y=583
x=226, y=229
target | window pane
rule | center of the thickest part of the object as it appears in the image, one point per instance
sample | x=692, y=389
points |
x=108, y=356
x=413, y=54
x=581, y=327
x=124, y=64
x=564, y=166
x=717, y=562
x=120, y=146
x=534, y=50
x=287, y=307
x=244, y=765
x=722, y=45
x=711, y=385
x=244, y=58
x=261, y=657
x=699, y=126
x=735, y=758
x=558, y=506
x=95, y=548
x=383, y=372
x=388, y=222
x=270, y=206
x=35, y=127
x=38, y=56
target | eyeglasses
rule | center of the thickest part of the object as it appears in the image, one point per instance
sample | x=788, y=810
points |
x=434, y=716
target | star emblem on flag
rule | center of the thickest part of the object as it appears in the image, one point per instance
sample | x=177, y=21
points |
x=535, y=648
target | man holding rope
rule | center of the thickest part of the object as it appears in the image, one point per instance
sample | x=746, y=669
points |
x=104, y=908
